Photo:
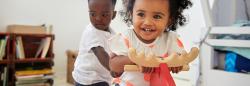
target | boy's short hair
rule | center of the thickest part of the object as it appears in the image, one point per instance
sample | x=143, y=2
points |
x=176, y=12
x=113, y=2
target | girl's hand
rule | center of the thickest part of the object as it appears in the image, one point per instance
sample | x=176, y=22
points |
x=175, y=69
x=147, y=69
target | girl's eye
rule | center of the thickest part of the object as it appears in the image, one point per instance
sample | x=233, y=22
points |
x=157, y=17
x=140, y=14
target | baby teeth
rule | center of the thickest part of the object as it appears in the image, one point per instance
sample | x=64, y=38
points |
x=148, y=30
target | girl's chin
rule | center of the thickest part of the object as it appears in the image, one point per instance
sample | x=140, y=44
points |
x=148, y=40
x=148, y=37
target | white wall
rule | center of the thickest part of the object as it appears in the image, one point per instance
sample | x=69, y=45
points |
x=190, y=33
x=69, y=17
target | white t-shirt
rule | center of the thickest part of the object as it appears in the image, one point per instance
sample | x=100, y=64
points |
x=87, y=68
x=167, y=43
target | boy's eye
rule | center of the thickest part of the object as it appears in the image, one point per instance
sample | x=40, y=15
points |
x=105, y=15
x=140, y=14
x=92, y=14
x=157, y=17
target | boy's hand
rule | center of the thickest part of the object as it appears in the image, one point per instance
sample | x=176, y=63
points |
x=112, y=55
x=115, y=74
x=147, y=69
x=175, y=69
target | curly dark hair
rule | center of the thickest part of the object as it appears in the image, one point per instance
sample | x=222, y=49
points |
x=113, y=2
x=176, y=10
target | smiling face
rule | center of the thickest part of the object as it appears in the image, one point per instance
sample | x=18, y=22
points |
x=101, y=12
x=150, y=18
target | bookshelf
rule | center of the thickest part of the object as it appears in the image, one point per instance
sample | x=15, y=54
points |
x=5, y=50
x=211, y=75
x=34, y=67
x=5, y=62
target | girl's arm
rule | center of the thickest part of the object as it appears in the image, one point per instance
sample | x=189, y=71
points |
x=117, y=63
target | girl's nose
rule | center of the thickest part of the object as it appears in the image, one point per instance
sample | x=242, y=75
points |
x=148, y=21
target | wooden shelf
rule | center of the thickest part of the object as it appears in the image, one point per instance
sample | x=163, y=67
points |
x=229, y=42
x=230, y=30
x=31, y=43
x=4, y=62
x=36, y=35
x=29, y=60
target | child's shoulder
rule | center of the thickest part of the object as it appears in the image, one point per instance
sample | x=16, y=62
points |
x=88, y=28
x=170, y=34
x=126, y=32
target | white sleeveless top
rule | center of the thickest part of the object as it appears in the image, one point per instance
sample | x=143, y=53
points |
x=165, y=43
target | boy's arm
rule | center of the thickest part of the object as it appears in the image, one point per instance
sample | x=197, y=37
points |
x=117, y=64
x=102, y=56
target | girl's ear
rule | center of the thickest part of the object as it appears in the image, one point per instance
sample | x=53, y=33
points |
x=169, y=23
x=114, y=14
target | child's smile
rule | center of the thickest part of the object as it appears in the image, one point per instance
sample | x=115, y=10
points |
x=148, y=29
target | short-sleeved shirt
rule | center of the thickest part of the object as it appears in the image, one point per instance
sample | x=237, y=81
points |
x=87, y=68
x=166, y=43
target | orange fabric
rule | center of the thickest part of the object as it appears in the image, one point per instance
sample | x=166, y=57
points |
x=129, y=84
x=161, y=76
x=126, y=41
x=179, y=43
x=165, y=55
x=147, y=77
x=117, y=80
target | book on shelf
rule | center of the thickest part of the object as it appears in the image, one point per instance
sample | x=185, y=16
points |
x=47, y=41
x=4, y=76
x=19, y=48
x=3, y=43
x=43, y=48
x=33, y=72
x=34, y=84
x=45, y=44
x=46, y=47
x=40, y=49
x=34, y=80
x=32, y=77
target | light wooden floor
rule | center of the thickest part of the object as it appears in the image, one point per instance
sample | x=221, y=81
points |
x=60, y=80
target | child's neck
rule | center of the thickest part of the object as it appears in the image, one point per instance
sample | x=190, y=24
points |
x=145, y=41
x=107, y=30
